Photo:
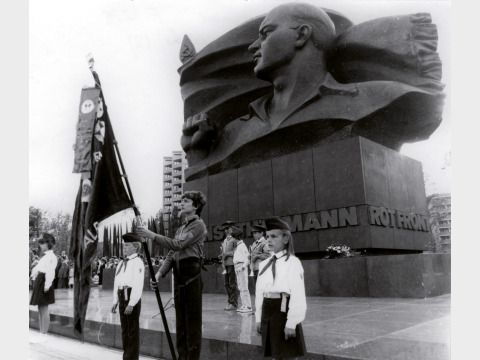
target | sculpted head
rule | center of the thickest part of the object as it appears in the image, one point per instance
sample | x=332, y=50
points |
x=287, y=32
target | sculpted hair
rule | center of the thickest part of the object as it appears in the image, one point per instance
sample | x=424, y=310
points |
x=198, y=200
x=323, y=29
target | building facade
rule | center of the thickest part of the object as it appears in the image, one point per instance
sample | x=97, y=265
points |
x=173, y=179
x=439, y=208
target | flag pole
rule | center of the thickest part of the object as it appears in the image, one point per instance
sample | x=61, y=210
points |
x=138, y=216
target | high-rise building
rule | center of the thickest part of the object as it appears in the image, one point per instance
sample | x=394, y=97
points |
x=173, y=179
x=439, y=208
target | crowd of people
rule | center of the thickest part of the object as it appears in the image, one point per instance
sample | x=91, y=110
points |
x=65, y=267
x=103, y=263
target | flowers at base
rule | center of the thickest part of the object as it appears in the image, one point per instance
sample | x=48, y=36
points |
x=336, y=251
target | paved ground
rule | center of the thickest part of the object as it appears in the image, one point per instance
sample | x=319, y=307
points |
x=52, y=347
x=363, y=328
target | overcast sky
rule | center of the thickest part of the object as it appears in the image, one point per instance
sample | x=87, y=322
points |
x=136, y=45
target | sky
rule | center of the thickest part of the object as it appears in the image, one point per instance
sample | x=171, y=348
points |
x=136, y=47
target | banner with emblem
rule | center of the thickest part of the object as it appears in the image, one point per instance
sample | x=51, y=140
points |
x=101, y=194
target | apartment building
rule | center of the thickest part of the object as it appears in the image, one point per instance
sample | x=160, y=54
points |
x=439, y=208
x=173, y=180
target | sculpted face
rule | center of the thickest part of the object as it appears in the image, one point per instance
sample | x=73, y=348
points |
x=275, y=46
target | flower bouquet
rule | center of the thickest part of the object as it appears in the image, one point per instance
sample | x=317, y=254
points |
x=338, y=251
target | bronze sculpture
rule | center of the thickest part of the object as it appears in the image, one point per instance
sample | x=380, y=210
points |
x=318, y=79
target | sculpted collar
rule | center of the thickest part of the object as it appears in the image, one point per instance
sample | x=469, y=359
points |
x=329, y=86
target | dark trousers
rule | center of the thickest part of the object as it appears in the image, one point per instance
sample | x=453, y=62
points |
x=231, y=285
x=130, y=327
x=255, y=276
x=188, y=307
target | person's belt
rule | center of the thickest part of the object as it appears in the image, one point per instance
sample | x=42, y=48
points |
x=272, y=295
x=277, y=295
x=189, y=281
x=124, y=291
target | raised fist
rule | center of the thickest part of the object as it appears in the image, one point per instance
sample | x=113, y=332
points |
x=198, y=135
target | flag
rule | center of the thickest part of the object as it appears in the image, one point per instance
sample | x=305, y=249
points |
x=101, y=194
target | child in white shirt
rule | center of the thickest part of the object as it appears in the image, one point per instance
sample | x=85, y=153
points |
x=241, y=259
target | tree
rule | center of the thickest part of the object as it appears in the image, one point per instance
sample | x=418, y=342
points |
x=60, y=226
x=106, y=243
x=35, y=221
x=114, y=242
x=175, y=221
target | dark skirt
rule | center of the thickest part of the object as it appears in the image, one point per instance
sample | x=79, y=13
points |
x=273, y=335
x=39, y=297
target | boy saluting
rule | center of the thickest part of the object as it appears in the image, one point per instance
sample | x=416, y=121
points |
x=280, y=295
x=127, y=292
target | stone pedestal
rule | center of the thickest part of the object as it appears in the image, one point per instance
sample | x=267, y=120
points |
x=409, y=276
x=352, y=192
x=399, y=276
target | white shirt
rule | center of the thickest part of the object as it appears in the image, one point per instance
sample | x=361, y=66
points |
x=241, y=254
x=288, y=279
x=132, y=276
x=46, y=265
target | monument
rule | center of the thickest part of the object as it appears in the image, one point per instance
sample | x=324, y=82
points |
x=301, y=114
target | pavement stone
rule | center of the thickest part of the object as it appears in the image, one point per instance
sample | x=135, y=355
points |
x=335, y=328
